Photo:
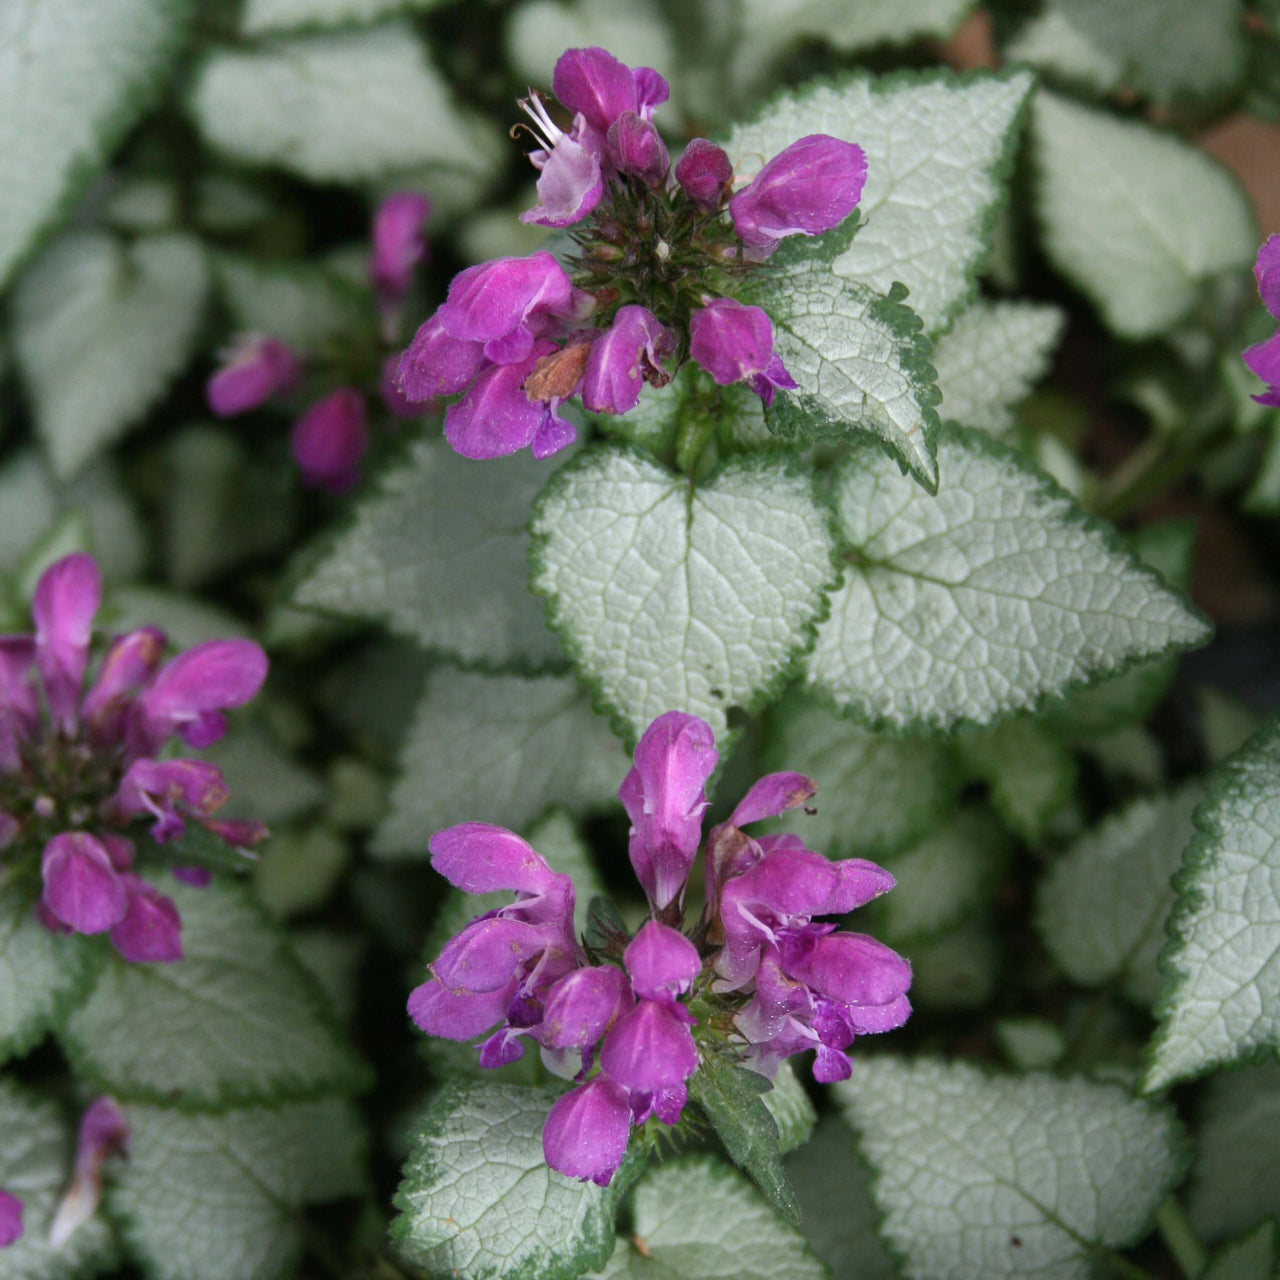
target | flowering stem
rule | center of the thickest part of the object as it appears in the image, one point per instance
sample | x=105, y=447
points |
x=1180, y=1238
x=1155, y=469
x=697, y=426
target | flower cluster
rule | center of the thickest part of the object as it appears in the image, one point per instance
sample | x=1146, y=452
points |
x=659, y=252
x=629, y=1019
x=332, y=435
x=1263, y=358
x=79, y=768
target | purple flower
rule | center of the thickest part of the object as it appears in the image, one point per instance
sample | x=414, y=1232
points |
x=1263, y=359
x=734, y=343
x=10, y=1219
x=651, y=1048
x=570, y=178
x=329, y=440
x=592, y=83
x=623, y=358
x=437, y=363
x=104, y=1132
x=254, y=369
x=664, y=796
x=398, y=247
x=79, y=771
x=586, y=1131
x=81, y=887
x=583, y=1005
x=66, y=600
x=507, y=303
x=704, y=171
x=191, y=691
x=806, y=189
x=636, y=147
x=502, y=966
x=661, y=962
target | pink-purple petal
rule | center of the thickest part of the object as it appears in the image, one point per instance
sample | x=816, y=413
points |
x=151, y=931
x=478, y=857
x=495, y=417
x=1266, y=270
x=582, y=1005
x=648, y=1049
x=436, y=363
x=458, y=1015
x=491, y=299
x=771, y=795
x=593, y=83
x=586, y=1131
x=661, y=962
x=81, y=887
x=860, y=882
x=66, y=599
x=10, y=1219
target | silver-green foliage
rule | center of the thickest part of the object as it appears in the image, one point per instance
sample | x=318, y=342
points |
x=982, y=1175
x=671, y=594
x=1221, y=1001
x=237, y=1020
x=988, y=599
x=218, y=1197
x=478, y=1199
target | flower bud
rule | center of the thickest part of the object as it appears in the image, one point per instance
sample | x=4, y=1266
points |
x=257, y=368
x=704, y=171
x=329, y=440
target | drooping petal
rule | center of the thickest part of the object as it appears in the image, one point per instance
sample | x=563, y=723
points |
x=586, y=1131
x=664, y=796
x=593, y=83
x=661, y=962
x=478, y=857
x=831, y=1065
x=151, y=931
x=329, y=440
x=66, y=599
x=1266, y=270
x=168, y=789
x=458, y=1016
x=771, y=795
x=130, y=661
x=501, y=1049
x=806, y=189
x=436, y=363
x=704, y=171
x=492, y=299
x=772, y=379
x=871, y=1019
x=398, y=244
x=10, y=1219
x=495, y=417
x=190, y=692
x=486, y=953
x=636, y=147
x=732, y=342
x=582, y=1005
x=849, y=967
x=81, y=887
x=623, y=358
x=104, y=1131
x=860, y=882
x=648, y=1049
x=255, y=369
x=554, y=434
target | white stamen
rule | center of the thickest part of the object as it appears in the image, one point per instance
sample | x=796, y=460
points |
x=545, y=129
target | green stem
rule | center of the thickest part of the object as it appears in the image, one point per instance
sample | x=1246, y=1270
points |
x=1157, y=469
x=1180, y=1239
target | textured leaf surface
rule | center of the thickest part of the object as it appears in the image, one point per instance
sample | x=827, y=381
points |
x=333, y=107
x=699, y=1220
x=1235, y=1179
x=945, y=878
x=991, y=358
x=789, y=1105
x=731, y=1097
x=73, y=78
x=1221, y=1002
x=1169, y=49
x=217, y=1197
x=101, y=331
x=861, y=363
x=877, y=792
x=1101, y=909
x=41, y=974
x=36, y=1152
x=938, y=148
x=440, y=554
x=837, y=1216
x=675, y=596
x=236, y=1020
x=1162, y=218
x=981, y=1176
x=853, y=26
x=261, y=16
x=497, y=749
x=478, y=1200
x=984, y=600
